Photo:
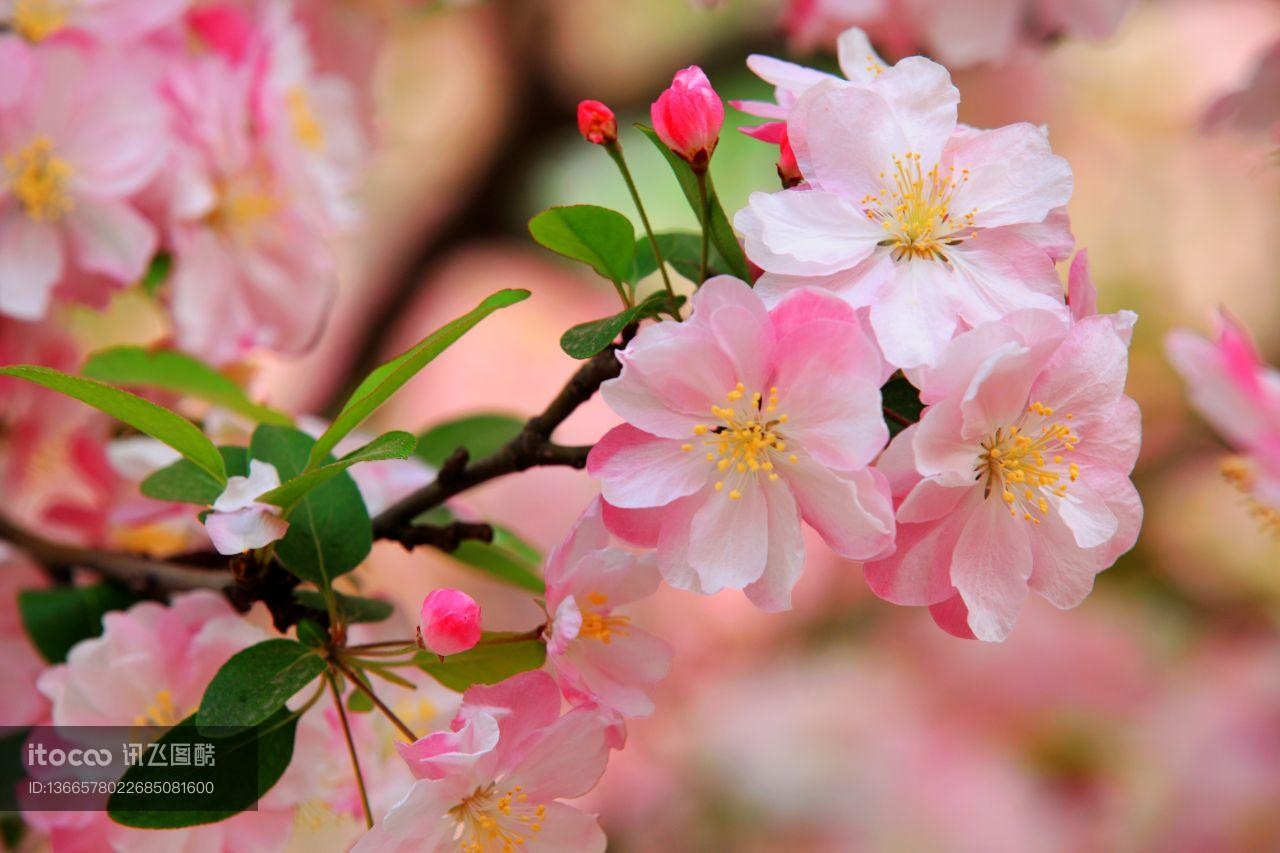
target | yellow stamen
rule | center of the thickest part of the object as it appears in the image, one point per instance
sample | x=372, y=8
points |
x=38, y=178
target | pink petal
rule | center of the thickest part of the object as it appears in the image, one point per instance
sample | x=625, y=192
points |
x=729, y=538
x=244, y=529
x=1014, y=176
x=914, y=318
x=953, y=617
x=990, y=569
x=918, y=572
x=852, y=512
x=785, y=559
x=806, y=232
x=111, y=238
x=31, y=263
x=565, y=759
x=567, y=828
x=844, y=137
x=640, y=470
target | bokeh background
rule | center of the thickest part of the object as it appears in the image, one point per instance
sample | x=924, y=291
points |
x=1147, y=719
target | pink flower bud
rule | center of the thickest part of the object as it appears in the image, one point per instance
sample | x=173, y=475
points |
x=223, y=28
x=788, y=168
x=688, y=116
x=597, y=123
x=450, y=622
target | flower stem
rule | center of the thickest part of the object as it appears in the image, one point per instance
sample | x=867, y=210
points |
x=614, y=150
x=373, y=697
x=704, y=199
x=351, y=750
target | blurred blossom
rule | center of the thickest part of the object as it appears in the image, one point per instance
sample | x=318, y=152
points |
x=20, y=663
x=1256, y=107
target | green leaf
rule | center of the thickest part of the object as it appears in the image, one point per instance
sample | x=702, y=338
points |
x=184, y=482
x=900, y=397
x=481, y=434
x=597, y=236
x=329, y=529
x=722, y=236
x=143, y=415
x=350, y=608
x=57, y=619
x=508, y=558
x=157, y=274
x=391, y=445
x=179, y=373
x=682, y=251
x=256, y=682
x=498, y=657
x=246, y=766
x=311, y=634
x=359, y=702
x=586, y=339
x=386, y=379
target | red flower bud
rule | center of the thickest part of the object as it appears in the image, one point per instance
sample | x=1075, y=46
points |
x=596, y=122
x=688, y=116
x=788, y=168
x=450, y=622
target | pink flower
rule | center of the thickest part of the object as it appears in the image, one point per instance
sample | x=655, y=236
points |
x=20, y=664
x=494, y=781
x=597, y=656
x=1016, y=476
x=450, y=622
x=1255, y=107
x=597, y=123
x=740, y=422
x=688, y=116
x=83, y=137
x=112, y=21
x=1232, y=388
x=933, y=226
x=238, y=522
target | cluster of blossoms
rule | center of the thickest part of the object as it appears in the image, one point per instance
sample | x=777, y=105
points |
x=1239, y=395
x=205, y=133
x=958, y=34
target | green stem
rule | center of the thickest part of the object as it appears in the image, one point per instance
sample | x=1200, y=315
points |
x=704, y=199
x=614, y=150
x=351, y=750
x=373, y=697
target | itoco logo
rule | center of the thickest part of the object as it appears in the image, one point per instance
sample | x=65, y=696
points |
x=38, y=755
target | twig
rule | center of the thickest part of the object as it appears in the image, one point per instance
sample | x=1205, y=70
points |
x=445, y=537
x=351, y=750
x=373, y=697
x=896, y=418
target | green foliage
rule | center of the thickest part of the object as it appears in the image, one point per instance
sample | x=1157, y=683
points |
x=481, y=434
x=597, y=236
x=311, y=634
x=157, y=274
x=57, y=619
x=391, y=445
x=386, y=379
x=246, y=766
x=900, y=397
x=184, y=482
x=256, y=682
x=350, y=608
x=682, y=251
x=586, y=339
x=329, y=529
x=507, y=558
x=179, y=373
x=143, y=415
x=498, y=657
x=722, y=236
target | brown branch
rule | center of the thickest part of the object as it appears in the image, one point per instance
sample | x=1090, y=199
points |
x=442, y=537
x=902, y=420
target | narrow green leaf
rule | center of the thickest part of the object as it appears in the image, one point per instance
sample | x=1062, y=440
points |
x=602, y=238
x=157, y=274
x=498, y=657
x=391, y=445
x=256, y=682
x=246, y=766
x=350, y=608
x=901, y=398
x=310, y=633
x=57, y=619
x=508, y=558
x=586, y=339
x=722, y=236
x=329, y=529
x=358, y=702
x=385, y=380
x=184, y=482
x=179, y=373
x=143, y=415
x=682, y=251
x=481, y=434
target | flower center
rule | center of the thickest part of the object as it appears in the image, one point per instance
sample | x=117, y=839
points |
x=36, y=20
x=599, y=625
x=915, y=211
x=1237, y=471
x=305, y=124
x=747, y=440
x=38, y=179
x=489, y=822
x=242, y=203
x=1029, y=467
x=160, y=712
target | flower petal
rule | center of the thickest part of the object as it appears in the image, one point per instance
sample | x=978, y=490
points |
x=640, y=470
x=990, y=569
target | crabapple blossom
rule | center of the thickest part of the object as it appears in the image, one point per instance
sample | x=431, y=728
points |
x=110, y=21
x=597, y=123
x=82, y=138
x=238, y=522
x=739, y=423
x=933, y=226
x=1239, y=395
x=20, y=664
x=495, y=779
x=597, y=656
x=688, y=116
x=449, y=623
x=1016, y=476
